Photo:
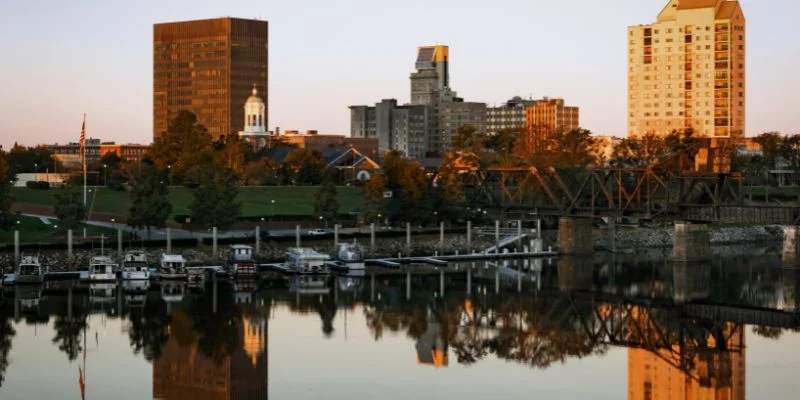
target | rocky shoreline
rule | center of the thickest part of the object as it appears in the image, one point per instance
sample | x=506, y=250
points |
x=664, y=237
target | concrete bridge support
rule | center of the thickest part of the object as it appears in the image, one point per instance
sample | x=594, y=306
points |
x=692, y=242
x=791, y=241
x=575, y=236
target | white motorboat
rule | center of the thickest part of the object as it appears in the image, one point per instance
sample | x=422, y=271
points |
x=102, y=292
x=102, y=269
x=350, y=259
x=309, y=285
x=173, y=292
x=241, y=263
x=134, y=266
x=172, y=266
x=29, y=296
x=135, y=292
x=30, y=270
x=307, y=261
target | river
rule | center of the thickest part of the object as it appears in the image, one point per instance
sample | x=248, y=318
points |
x=566, y=329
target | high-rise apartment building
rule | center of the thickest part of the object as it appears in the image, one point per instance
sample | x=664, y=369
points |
x=209, y=67
x=403, y=128
x=687, y=71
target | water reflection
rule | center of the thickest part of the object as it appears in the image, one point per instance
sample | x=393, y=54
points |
x=684, y=326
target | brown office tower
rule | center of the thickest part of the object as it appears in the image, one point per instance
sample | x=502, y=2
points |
x=208, y=67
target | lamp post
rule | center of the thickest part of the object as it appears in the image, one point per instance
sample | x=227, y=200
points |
x=379, y=221
x=105, y=175
x=271, y=212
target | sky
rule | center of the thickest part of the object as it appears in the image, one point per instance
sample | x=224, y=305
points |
x=61, y=59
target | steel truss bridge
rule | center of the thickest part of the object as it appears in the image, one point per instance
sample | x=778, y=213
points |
x=669, y=188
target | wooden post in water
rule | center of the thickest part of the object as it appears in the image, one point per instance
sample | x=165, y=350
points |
x=119, y=243
x=519, y=281
x=214, y=241
x=258, y=240
x=408, y=237
x=69, y=245
x=441, y=283
x=372, y=236
x=519, y=234
x=497, y=281
x=497, y=236
x=297, y=235
x=441, y=235
x=214, y=295
x=469, y=236
x=16, y=248
x=336, y=234
x=539, y=228
x=169, y=240
x=408, y=285
x=469, y=279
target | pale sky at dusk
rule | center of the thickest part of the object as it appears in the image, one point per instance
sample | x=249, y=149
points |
x=61, y=59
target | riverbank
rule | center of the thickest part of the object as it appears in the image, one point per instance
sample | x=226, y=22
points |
x=663, y=237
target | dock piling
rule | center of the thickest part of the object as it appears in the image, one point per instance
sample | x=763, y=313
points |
x=497, y=281
x=408, y=285
x=214, y=241
x=297, y=235
x=408, y=237
x=119, y=243
x=441, y=235
x=469, y=234
x=16, y=248
x=69, y=245
x=372, y=288
x=497, y=236
x=169, y=239
x=469, y=279
x=441, y=283
x=258, y=240
x=372, y=236
x=336, y=234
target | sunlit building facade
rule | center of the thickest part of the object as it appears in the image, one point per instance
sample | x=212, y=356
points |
x=686, y=71
x=210, y=68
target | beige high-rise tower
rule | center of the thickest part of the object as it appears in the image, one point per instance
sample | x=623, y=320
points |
x=687, y=71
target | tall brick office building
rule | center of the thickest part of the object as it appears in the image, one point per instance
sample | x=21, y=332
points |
x=208, y=67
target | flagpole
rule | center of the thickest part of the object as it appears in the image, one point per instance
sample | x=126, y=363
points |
x=83, y=154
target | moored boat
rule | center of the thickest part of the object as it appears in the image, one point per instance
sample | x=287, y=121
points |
x=307, y=261
x=241, y=263
x=350, y=259
x=102, y=269
x=135, y=266
x=30, y=270
x=172, y=266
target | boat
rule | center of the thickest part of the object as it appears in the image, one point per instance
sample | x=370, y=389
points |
x=135, y=292
x=241, y=263
x=350, y=259
x=102, y=269
x=197, y=275
x=134, y=266
x=30, y=270
x=307, y=261
x=173, y=292
x=309, y=285
x=172, y=266
x=101, y=292
x=29, y=296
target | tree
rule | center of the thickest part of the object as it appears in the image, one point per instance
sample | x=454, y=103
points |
x=232, y=153
x=375, y=202
x=6, y=199
x=185, y=145
x=69, y=208
x=214, y=200
x=305, y=167
x=30, y=160
x=326, y=204
x=770, y=143
x=150, y=206
x=638, y=152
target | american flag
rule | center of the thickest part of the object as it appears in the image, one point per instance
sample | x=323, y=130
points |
x=83, y=137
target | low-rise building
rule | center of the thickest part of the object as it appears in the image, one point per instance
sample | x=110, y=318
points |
x=313, y=141
x=510, y=115
x=69, y=155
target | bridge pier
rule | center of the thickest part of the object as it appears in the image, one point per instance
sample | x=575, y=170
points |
x=575, y=273
x=575, y=236
x=692, y=242
x=791, y=240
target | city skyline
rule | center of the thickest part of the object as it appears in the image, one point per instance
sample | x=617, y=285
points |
x=109, y=75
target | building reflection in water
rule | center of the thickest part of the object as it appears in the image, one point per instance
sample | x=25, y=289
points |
x=712, y=375
x=432, y=345
x=184, y=371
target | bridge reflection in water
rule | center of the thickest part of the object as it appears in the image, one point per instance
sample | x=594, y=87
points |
x=683, y=325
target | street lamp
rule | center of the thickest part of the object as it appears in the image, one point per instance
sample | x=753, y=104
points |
x=271, y=212
x=320, y=221
x=105, y=175
x=113, y=225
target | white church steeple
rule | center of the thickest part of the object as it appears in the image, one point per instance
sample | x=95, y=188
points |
x=254, y=113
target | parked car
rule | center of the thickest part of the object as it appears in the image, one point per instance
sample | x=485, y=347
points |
x=318, y=232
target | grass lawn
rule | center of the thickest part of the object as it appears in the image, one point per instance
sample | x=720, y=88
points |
x=33, y=230
x=289, y=200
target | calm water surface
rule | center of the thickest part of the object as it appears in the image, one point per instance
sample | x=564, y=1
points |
x=566, y=329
